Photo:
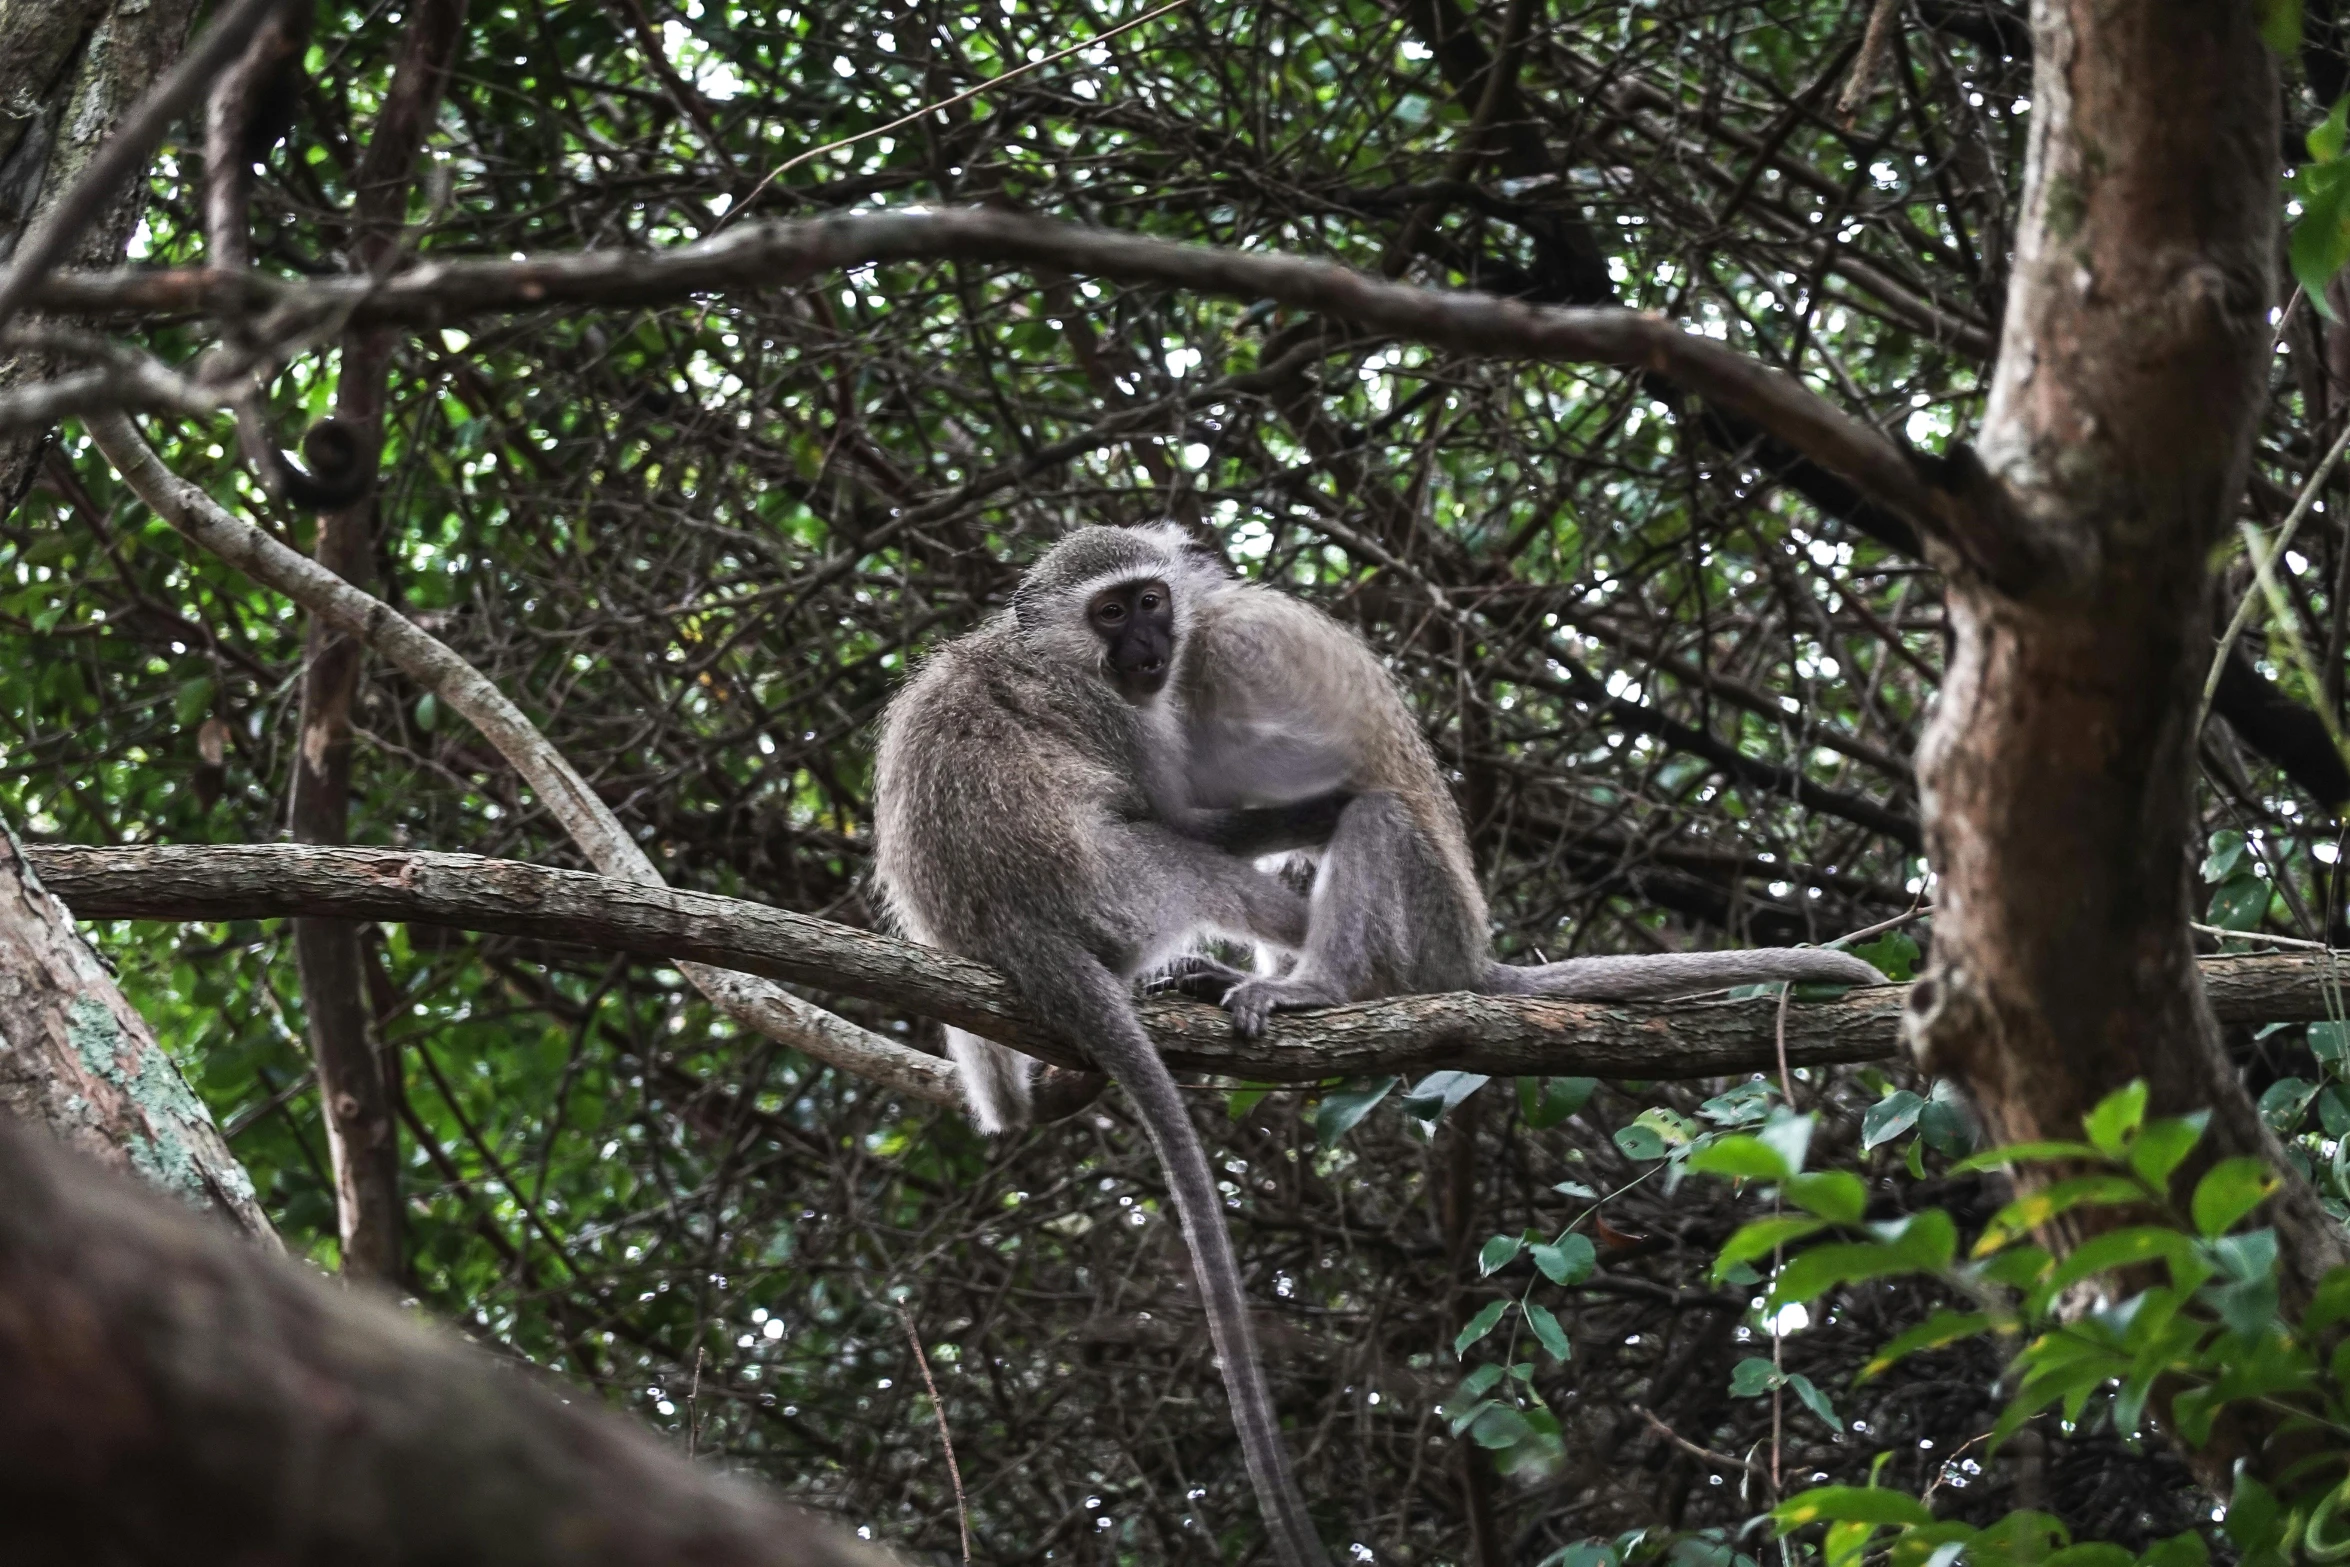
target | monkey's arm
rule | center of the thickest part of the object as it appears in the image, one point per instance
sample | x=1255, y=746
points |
x=1265, y=829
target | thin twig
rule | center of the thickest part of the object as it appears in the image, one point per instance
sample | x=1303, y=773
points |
x=2261, y=561
x=1702, y=1454
x=938, y=1407
x=965, y=95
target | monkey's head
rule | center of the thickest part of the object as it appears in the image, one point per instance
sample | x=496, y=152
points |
x=1117, y=599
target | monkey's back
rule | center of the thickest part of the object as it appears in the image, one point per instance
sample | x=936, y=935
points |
x=993, y=790
x=1283, y=702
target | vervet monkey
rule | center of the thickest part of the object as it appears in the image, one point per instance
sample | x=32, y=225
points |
x=1278, y=703
x=1030, y=814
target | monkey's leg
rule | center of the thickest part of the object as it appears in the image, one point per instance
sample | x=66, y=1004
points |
x=1375, y=877
x=1090, y=1007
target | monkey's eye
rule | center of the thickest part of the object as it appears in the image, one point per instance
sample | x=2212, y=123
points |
x=1109, y=614
x=1150, y=601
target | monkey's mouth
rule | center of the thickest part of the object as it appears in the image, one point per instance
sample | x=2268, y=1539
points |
x=1143, y=679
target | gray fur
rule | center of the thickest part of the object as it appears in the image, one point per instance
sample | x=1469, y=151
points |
x=1021, y=805
x=1281, y=701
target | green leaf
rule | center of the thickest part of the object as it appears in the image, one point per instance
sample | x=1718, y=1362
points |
x=1929, y=1239
x=1835, y=1195
x=1340, y=1111
x=1814, y=1400
x=1807, y=1277
x=2321, y=238
x=1479, y=1325
x=2326, y=140
x=1570, y=1261
x=2117, y=1116
x=1641, y=1142
x=2228, y=1191
x=1432, y=1096
x=2280, y=27
x=1850, y=1504
x=2242, y=900
x=2328, y=1041
x=2227, y=847
x=1753, y=1377
x=2025, y=1153
x=1762, y=1237
x=1500, y=1426
x=2125, y=1248
x=1894, y=954
x=192, y=703
x=2035, y=1208
x=2162, y=1144
x=1546, y=1101
x=428, y=712
x=1498, y=1253
x=1748, y=1158
x=1240, y=1101
x=1791, y=1135
x=1889, y=1117
x=1943, y=1327
x=2329, y=1303
x=1546, y=1328
x=2283, y=1101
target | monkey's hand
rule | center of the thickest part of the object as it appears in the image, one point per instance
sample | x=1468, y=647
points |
x=1267, y=829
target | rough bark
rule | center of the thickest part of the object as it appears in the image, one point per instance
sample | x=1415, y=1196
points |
x=362, y=1136
x=79, y=65
x=79, y=1062
x=176, y=1396
x=2057, y=773
x=1502, y=1035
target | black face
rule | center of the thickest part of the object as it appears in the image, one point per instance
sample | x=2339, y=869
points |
x=1136, y=622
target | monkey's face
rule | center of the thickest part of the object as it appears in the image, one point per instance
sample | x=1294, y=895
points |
x=1136, y=622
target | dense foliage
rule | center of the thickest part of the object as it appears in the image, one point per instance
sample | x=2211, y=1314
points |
x=1675, y=672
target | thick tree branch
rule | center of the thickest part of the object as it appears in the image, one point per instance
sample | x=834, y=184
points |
x=772, y=254
x=1497, y=1034
x=174, y=1395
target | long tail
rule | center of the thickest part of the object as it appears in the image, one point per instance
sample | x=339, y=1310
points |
x=1677, y=973
x=1092, y=1007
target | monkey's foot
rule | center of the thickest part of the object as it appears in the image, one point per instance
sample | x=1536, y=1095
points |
x=1199, y=977
x=1254, y=1001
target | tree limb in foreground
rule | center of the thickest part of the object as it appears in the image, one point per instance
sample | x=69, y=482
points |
x=175, y=1395
x=1501, y=1035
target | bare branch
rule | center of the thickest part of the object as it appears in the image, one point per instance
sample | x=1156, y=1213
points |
x=1496, y=1034
x=768, y=255
x=432, y=664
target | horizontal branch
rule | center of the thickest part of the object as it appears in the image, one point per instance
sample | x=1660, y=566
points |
x=1501, y=1035
x=768, y=255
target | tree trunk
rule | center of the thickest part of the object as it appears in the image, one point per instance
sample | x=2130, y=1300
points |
x=81, y=64
x=77, y=1060
x=2058, y=771
x=175, y=1396
x=362, y=1136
